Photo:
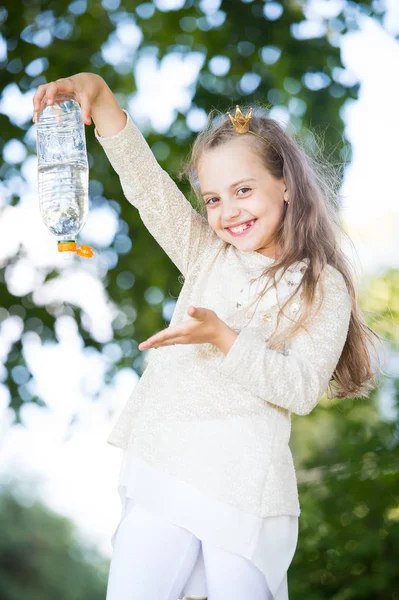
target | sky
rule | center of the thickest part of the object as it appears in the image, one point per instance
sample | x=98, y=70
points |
x=371, y=208
x=67, y=461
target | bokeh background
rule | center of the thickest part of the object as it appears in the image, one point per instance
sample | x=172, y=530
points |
x=69, y=331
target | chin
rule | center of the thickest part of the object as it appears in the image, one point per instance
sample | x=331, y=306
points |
x=246, y=247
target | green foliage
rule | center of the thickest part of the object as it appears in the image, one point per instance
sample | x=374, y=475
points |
x=346, y=454
x=380, y=301
x=349, y=491
x=41, y=558
x=58, y=35
x=347, y=460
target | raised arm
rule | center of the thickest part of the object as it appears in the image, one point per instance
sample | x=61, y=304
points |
x=178, y=228
x=295, y=380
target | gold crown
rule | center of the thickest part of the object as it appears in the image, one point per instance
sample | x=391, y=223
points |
x=241, y=123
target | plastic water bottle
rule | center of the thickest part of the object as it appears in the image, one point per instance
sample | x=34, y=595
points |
x=63, y=172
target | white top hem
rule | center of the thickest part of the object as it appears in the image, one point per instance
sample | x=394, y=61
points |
x=269, y=542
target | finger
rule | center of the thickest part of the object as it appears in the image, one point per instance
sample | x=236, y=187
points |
x=86, y=108
x=37, y=98
x=198, y=312
x=63, y=85
x=51, y=91
x=164, y=338
x=176, y=331
x=40, y=91
x=47, y=93
x=154, y=341
x=157, y=343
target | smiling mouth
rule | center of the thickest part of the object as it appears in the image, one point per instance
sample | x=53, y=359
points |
x=242, y=229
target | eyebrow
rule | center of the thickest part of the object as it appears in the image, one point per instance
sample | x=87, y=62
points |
x=233, y=184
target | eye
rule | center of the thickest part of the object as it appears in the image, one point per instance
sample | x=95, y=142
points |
x=245, y=189
x=209, y=199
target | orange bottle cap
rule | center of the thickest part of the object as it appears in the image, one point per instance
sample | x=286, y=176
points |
x=84, y=251
x=67, y=247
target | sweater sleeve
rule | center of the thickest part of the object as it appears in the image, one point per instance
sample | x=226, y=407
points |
x=177, y=227
x=296, y=379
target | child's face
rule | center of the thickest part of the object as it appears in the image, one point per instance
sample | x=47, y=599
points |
x=236, y=188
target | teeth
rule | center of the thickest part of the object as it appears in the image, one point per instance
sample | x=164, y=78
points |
x=241, y=227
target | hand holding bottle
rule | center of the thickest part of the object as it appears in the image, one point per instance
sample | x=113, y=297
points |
x=85, y=86
x=95, y=98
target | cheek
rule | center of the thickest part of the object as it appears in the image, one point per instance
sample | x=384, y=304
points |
x=271, y=217
x=270, y=208
x=212, y=220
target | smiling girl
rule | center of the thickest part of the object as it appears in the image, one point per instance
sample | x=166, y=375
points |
x=266, y=322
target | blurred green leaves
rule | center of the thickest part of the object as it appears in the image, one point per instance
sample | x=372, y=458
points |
x=41, y=555
x=286, y=56
x=280, y=54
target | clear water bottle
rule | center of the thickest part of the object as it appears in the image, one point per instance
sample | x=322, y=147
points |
x=63, y=172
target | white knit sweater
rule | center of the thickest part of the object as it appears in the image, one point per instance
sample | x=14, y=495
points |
x=222, y=422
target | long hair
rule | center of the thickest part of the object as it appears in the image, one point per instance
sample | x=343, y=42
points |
x=310, y=229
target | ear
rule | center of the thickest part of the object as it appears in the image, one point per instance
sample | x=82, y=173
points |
x=285, y=194
x=283, y=185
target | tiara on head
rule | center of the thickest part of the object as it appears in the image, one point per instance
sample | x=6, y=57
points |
x=241, y=123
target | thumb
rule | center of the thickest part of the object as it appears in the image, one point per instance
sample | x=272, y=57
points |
x=86, y=110
x=197, y=312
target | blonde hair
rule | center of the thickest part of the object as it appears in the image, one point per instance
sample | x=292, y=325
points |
x=310, y=229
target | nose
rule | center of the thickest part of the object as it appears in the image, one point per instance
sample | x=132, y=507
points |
x=230, y=211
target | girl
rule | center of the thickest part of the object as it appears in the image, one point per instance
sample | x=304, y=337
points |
x=267, y=320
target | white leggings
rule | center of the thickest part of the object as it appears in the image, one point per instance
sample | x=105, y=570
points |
x=153, y=559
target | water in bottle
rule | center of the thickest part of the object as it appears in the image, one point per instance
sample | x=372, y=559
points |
x=63, y=172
